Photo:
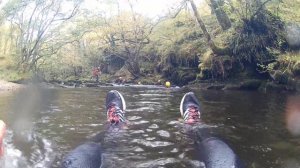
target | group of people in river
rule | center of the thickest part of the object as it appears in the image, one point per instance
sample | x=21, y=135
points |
x=214, y=152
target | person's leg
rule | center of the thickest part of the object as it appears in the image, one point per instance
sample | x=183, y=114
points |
x=213, y=152
x=97, y=78
x=88, y=155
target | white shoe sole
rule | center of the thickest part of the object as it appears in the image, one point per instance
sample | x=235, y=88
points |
x=122, y=99
x=181, y=105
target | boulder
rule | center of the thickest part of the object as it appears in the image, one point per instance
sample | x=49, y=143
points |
x=296, y=69
x=292, y=31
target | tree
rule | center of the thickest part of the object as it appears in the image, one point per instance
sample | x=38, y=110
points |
x=222, y=17
x=126, y=35
x=37, y=23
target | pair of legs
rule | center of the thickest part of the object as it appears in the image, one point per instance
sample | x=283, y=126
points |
x=116, y=106
x=213, y=152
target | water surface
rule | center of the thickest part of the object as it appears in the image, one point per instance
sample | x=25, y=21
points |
x=44, y=124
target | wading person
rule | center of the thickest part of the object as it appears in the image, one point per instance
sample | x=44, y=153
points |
x=96, y=72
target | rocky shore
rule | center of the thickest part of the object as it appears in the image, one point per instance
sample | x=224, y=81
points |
x=250, y=84
x=9, y=86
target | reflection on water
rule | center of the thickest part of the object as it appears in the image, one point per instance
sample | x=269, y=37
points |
x=45, y=124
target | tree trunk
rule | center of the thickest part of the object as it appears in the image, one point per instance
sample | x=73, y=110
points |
x=201, y=23
x=133, y=67
x=214, y=48
x=222, y=17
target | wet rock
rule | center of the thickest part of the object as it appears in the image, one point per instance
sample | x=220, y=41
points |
x=91, y=84
x=271, y=86
x=216, y=87
x=296, y=69
x=251, y=84
x=232, y=87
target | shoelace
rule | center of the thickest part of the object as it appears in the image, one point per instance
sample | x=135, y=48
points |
x=115, y=115
x=191, y=113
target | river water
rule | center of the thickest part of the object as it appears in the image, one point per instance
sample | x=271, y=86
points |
x=44, y=124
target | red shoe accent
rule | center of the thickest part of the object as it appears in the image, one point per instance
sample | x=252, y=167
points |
x=112, y=116
x=193, y=115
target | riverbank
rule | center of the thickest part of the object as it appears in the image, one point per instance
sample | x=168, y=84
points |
x=237, y=84
x=259, y=85
x=9, y=86
x=249, y=85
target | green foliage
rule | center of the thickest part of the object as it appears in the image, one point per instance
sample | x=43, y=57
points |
x=13, y=75
x=35, y=29
x=180, y=36
x=256, y=37
x=112, y=39
x=288, y=10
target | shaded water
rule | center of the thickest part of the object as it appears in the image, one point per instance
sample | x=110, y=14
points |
x=45, y=124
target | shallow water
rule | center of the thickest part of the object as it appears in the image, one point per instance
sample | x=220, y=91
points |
x=43, y=125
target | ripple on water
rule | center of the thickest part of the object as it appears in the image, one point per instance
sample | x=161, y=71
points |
x=152, y=95
x=152, y=144
x=146, y=108
x=154, y=126
x=150, y=138
x=140, y=122
x=174, y=122
x=163, y=133
x=132, y=118
x=174, y=150
x=138, y=132
x=158, y=162
x=138, y=149
x=42, y=154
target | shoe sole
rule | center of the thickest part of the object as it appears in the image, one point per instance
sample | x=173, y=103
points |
x=122, y=99
x=181, y=104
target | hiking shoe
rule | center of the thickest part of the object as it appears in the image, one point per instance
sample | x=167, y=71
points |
x=189, y=108
x=115, y=107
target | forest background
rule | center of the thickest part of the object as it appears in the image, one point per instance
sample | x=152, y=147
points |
x=251, y=43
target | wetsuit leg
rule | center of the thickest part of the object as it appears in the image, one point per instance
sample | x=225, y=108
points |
x=87, y=155
x=215, y=153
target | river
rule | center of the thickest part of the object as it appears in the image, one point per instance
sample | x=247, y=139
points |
x=44, y=124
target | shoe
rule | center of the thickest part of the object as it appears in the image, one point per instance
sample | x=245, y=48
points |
x=115, y=107
x=189, y=108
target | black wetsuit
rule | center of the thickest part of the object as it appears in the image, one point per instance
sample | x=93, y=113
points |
x=87, y=155
x=214, y=152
